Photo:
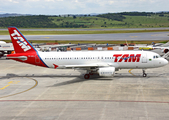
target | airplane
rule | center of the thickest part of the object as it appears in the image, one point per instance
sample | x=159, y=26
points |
x=164, y=48
x=5, y=48
x=104, y=63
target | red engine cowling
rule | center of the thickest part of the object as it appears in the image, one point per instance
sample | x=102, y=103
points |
x=165, y=50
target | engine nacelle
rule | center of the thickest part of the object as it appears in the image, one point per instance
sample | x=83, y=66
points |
x=106, y=71
x=1, y=53
x=165, y=51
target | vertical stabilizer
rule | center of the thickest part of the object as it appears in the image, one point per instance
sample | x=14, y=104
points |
x=20, y=43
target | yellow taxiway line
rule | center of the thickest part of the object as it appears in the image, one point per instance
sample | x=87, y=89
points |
x=9, y=83
x=12, y=82
x=131, y=72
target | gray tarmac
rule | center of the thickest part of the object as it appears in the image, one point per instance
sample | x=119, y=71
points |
x=33, y=93
x=93, y=37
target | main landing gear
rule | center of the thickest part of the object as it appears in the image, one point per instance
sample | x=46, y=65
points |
x=144, y=73
x=87, y=76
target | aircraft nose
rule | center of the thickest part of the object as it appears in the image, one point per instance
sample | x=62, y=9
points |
x=165, y=62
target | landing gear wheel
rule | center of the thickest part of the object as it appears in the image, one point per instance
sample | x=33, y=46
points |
x=144, y=75
x=86, y=76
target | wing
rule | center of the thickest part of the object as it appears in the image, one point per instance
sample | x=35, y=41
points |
x=94, y=65
x=150, y=47
x=160, y=47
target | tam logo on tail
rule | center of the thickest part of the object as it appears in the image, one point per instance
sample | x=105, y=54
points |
x=20, y=43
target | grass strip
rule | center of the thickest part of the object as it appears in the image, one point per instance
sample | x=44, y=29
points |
x=81, y=32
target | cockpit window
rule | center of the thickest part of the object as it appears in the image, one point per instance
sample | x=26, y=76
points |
x=156, y=56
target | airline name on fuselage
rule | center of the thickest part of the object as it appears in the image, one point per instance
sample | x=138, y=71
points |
x=127, y=57
x=20, y=41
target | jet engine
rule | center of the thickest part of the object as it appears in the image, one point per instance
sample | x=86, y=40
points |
x=165, y=51
x=2, y=53
x=106, y=71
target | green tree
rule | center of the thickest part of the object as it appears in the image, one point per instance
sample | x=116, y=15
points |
x=74, y=17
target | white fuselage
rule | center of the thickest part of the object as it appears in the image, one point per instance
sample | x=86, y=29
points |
x=117, y=59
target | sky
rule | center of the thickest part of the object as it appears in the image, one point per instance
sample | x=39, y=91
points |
x=60, y=7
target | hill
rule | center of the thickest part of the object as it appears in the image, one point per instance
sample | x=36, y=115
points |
x=109, y=20
x=13, y=15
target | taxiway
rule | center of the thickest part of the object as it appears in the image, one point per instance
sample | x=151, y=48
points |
x=30, y=92
x=93, y=37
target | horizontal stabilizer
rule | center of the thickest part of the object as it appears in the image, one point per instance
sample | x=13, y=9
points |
x=19, y=57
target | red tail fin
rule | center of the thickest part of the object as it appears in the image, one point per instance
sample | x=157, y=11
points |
x=20, y=43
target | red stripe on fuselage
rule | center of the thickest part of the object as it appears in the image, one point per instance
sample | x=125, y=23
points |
x=32, y=58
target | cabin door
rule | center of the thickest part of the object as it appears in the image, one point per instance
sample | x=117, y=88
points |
x=144, y=58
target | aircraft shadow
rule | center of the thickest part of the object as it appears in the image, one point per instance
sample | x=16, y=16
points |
x=95, y=76
x=80, y=78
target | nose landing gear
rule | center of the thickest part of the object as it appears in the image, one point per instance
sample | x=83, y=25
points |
x=144, y=73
